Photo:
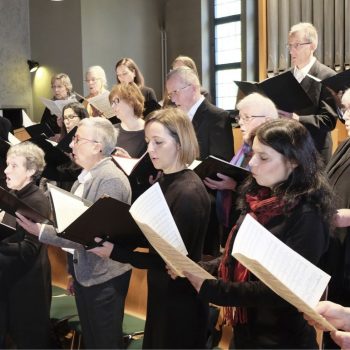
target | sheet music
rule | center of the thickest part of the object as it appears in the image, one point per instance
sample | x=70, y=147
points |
x=282, y=269
x=152, y=209
x=194, y=164
x=67, y=207
x=175, y=259
x=13, y=140
x=127, y=164
x=101, y=102
x=26, y=120
x=56, y=106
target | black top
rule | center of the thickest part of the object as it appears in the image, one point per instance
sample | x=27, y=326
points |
x=151, y=103
x=132, y=141
x=273, y=323
x=176, y=318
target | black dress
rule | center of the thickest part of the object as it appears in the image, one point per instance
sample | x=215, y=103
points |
x=132, y=141
x=25, y=282
x=273, y=323
x=151, y=103
x=176, y=318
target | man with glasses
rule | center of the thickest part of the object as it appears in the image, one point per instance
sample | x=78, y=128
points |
x=213, y=129
x=212, y=124
x=320, y=118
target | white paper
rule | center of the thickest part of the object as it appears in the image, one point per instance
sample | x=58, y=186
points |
x=194, y=164
x=26, y=120
x=152, y=210
x=56, y=106
x=101, y=103
x=13, y=140
x=67, y=207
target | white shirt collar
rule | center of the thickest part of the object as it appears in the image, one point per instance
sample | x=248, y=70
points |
x=301, y=73
x=194, y=108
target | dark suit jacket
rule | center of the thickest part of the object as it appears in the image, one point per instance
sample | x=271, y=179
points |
x=214, y=131
x=321, y=118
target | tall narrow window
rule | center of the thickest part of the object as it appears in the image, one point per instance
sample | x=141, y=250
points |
x=228, y=56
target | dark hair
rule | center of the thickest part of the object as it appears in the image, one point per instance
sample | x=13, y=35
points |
x=78, y=109
x=128, y=62
x=307, y=181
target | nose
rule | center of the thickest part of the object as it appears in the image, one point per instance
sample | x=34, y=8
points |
x=150, y=147
x=253, y=162
x=6, y=169
x=71, y=145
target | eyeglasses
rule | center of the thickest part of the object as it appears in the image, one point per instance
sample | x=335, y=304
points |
x=76, y=140
x=70, y=117
x=176, y=92
x=115, y=101
x=247, y=118
x=296, y=46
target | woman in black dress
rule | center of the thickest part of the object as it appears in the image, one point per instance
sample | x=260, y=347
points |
x=25, y=273
x=176, y=318
x=290, y=196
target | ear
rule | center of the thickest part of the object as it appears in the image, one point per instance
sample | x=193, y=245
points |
x=30, y=173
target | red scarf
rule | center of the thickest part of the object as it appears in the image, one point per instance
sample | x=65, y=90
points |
x=263, y=208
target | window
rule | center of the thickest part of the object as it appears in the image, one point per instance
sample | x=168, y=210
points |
x=228, y=53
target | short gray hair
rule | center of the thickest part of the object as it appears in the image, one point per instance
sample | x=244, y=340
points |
x=104, y=133
x=34, y=157
x=186, y=75
x=309, y=31
x=262, y=105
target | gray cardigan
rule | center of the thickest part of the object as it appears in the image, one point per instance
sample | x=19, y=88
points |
x=89, y=268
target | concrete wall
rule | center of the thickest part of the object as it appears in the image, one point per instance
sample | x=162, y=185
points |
x=15, y=87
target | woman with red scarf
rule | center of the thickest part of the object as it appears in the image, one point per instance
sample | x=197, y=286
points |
x=289, y=195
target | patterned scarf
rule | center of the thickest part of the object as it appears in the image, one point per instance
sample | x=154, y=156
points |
x=263, y=208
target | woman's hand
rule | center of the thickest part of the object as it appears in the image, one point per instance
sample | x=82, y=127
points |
x=121, y=152
x=30, y=226
x=226, y=183
x=152, y=179
x=104, y=251
x=171, y=272
x=342, y=339
x=70, y=286
x=195, y=281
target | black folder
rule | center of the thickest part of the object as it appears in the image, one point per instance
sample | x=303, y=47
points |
x=210, y=166
x=6, y=231
x=4, y=147
x=11, y=204
x=63, y=145
x=283, y=89
x=340, y=81
x=40, y=129
x=107, y=218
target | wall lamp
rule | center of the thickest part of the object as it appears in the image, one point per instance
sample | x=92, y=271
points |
x=33, y=65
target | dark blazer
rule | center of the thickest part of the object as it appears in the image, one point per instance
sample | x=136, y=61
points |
x=151, y=103
x=214, y=131
x=321, y=118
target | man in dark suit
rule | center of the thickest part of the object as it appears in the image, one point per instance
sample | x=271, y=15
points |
x=213, y=129
x=320, y=118
x=212, y=124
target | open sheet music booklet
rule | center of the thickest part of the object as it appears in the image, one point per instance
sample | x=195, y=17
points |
x=153, y=216
x=56, y=106
x=282, y=269
x=101, y=103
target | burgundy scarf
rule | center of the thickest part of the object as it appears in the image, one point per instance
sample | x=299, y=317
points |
x=262, y=207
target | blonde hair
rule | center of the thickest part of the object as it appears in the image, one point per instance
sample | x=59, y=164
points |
x=261, y=104
x=65, y=80
x=186, y=62
x=186, y=75
x=99, y=73
x=181, y=129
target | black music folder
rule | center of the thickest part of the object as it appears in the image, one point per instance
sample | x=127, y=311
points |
x=211, y=165
x=36, y=130
x=11, y=204
x=80, y=221
x=63, y=145
x=6, y=231
x=4, y=147
x=283, y=89
x=338, y=82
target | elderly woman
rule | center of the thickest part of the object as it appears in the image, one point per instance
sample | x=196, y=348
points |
x=25, y=275
x=127, y=71
x=100, y=285
x=62, y=89
x=96, y=81
x=176, y=318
